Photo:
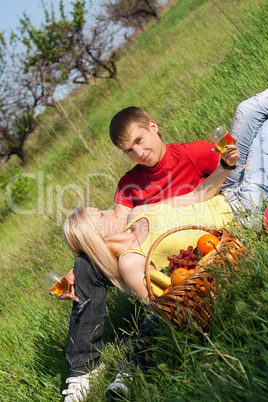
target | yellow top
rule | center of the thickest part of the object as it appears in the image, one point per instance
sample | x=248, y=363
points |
x=215, y=212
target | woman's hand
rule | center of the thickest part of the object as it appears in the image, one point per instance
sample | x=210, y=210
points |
x=71, y=294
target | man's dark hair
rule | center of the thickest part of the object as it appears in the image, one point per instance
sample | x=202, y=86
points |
x=121, y=123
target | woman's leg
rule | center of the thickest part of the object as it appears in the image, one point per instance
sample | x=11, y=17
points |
x=245, y=188
x=84, y=341
x=253, y=190
x=249, y=118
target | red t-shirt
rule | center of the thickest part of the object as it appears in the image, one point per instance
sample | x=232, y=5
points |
x=181, y=169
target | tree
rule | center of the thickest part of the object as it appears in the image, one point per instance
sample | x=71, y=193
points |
x=131, y=13
x=99, y=50
x=54, y=54
x=15, y=127
x=2, y=51
x=49, y=54
x=62, y=50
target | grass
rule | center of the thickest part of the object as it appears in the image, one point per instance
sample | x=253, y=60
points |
x=189, y=72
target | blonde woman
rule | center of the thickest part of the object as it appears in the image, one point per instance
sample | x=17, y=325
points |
x=121, y=254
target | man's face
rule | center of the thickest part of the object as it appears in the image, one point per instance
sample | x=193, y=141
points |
x=144, y=146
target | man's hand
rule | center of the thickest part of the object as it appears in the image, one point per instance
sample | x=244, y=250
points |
x=232, y=154
x=71, y=294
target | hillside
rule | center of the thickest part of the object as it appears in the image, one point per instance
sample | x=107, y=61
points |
x=189, y=72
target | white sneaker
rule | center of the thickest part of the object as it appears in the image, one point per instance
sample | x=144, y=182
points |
x=118, y=387
x=78, y=387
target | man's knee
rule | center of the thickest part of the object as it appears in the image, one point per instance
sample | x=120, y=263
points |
x=248, y=107
x=255, y=106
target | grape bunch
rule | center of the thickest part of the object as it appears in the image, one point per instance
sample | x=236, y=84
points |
x=187, y=259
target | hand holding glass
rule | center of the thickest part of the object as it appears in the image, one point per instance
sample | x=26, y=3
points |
x=57, y=283
x=60, y=285
x=220, y=138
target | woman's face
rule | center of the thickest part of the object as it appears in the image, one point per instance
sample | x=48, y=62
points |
x=107, y=222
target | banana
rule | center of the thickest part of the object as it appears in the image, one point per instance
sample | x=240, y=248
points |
x=157, y=291
x=159, y=282
x=203, y=259
x=228, y=256
x=159, y=278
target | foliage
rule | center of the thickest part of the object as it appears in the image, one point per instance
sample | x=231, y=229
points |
x=49, y=53
x=2, y=51
x=16, y=123
x=132, y=13
x=59, y=52
x=63, y=49
x=16, y=185
x=54, y=41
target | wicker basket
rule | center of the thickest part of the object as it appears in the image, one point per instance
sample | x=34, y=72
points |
x=189, y=300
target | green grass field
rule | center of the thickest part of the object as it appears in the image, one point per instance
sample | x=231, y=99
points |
x=189, y=72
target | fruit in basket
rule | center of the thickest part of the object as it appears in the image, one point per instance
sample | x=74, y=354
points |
x=187, y=259
x=166, y=290
x=159, y=278
x=207, y=243
x=159, y=282
x=191, y=270
x=157, y=290
x=204, y=258
x=179, y=275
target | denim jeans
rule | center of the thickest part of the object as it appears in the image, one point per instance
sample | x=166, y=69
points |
x=247, y=186
x=84, y=342
x=143, y=346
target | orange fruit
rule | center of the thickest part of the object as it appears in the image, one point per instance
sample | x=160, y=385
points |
x=166, y=290
x=179, y=275
x=191, y=270
x=203, y=288
x=207, y=243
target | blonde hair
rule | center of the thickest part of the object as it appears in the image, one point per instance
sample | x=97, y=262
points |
x=82, y=236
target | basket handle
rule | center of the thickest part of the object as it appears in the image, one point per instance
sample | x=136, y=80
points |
x=158, y=240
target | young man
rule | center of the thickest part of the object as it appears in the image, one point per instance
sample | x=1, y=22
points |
x=163, y=172
x=167, y=171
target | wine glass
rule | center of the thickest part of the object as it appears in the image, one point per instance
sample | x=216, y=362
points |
x=59, y=284
x=220, y=138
